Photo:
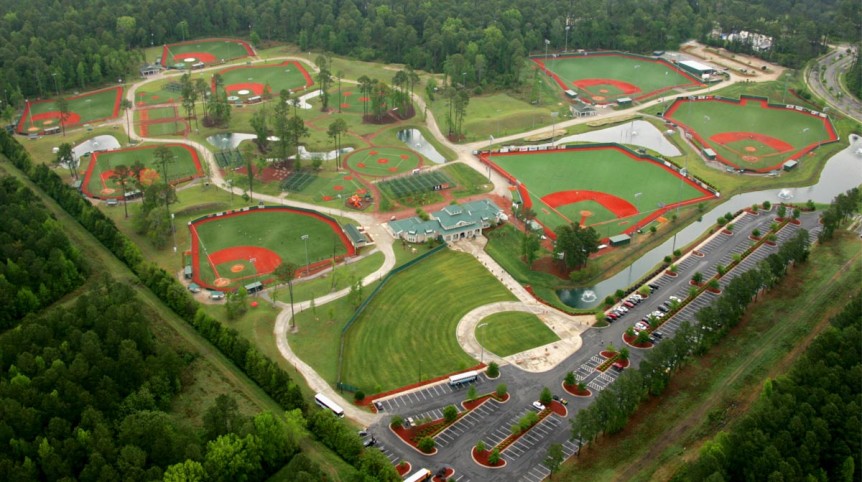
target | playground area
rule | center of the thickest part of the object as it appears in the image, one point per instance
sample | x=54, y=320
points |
x=605, y=186
x=100, y=179
x=246, y=81
x=233, y=249
x=603, y=78
x=750, y=133
x=383, y=161
x=42, y=115
x=184, y=55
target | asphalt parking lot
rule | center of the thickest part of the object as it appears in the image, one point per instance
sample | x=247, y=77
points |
x=402, y=402
x=466, y=423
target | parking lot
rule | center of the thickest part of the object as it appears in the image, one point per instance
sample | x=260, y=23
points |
x=403, y=402
x=467, y=422
x=603, y=380
x=588, y=368
x=540, y=472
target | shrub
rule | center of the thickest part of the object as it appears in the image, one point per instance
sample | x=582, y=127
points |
x=756, y=233
x=359, y=396
x=450, y=413
x=502, y=390
x=721, y=222
x=644, y=291
x=396, y=421
x=494, y=458
x=426, y=444
x=570, y=379
x=471, y=393
x=653, y=229
x=767, y=205
x=668, y=259
x=515, y=429
x=728, y=216
x=480, y=446
x=545, y=398
x=643, y=337
x=677, y=253
x=493, y=370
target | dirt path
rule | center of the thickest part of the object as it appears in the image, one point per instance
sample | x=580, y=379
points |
x=695, y=418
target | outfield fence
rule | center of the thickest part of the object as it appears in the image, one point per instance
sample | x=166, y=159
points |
x=356, y=314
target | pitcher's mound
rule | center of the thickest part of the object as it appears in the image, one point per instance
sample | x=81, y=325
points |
x=236, y=268
x=586, y=213
x=221, y=282
x=750, y=149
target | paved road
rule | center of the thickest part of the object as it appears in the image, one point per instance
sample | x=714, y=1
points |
x=845, y=103
x=524, y=461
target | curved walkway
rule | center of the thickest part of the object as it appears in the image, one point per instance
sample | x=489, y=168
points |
x=539, y=359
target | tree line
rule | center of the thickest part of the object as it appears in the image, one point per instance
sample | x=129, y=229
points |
x=38, y=263
x=257, y=366
x=46, y=46
x=806, y=424
x=841, y=208
x=614, y=406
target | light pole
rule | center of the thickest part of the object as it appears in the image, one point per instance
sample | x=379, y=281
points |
x=804, y=141
x=304, y=238
x=56, y=89
x=482, y=356
x=547, y=42
x=566, y=49
x=174, y=233
x=488, y=159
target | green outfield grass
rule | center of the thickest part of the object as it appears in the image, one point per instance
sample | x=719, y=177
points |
x=708, y=118
x=84, y=108
x=511, y=332
x=335, y=280
x=643, y=184
x=382, y=161
x=407, y=333
x=163, y=91
x=289, y=75
x=649, y=77
x=97, y=179
x=207, y=50
x=276, y=230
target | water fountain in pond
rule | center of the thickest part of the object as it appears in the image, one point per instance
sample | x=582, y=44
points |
x=589, y=296
x=785, y=195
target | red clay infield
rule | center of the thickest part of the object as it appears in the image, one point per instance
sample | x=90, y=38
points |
x=264, y=260
x=619, y=206
x=72, y=119
x=252, y=86
x=204, y=57
x=625, y=87
x=728, y=137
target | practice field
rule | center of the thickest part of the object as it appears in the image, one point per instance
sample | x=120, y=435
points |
x=208, y=51
x=512, y=332
x=383, y=161
x=602, y=78
x=604, y=186
x=99, y=182
x=407, y=332
x=251, y=80
x=161, y=121
x=85, y=108
x=233, y=249
x=749, y=133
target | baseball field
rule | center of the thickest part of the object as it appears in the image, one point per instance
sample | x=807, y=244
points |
x=100, y=181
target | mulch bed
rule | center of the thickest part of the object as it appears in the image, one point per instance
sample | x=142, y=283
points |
x=470, y=405
x=577, y=392
x=449, y=473
x=559, y=408
x=630, y=340
x=670, y=273
x=481, y=458
x=403, y=468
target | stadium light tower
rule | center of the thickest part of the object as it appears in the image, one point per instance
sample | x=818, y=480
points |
x=566, y=49
x=304, y=237
x=547, y=42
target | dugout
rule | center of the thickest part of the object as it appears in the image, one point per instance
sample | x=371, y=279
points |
x=571, y=94
x=620, y=240
x=187, y=272
x=51, y=130
x=253, y=288
x=790, y=165
x=709, y=154
x=624, y=102
x=254, y=99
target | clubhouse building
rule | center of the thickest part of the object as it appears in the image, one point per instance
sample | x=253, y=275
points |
x=454, y=222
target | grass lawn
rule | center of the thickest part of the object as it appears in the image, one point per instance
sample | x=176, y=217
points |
x=584, y=175
x=332, y=281
x=718, y=388
x=85, y=108
x=162, y=91
x=98, y=180
x=494, y=114
x=208, y=51
x=585, y=74
x=511, y=332
x=726, y=127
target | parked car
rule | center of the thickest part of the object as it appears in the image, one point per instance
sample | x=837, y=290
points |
x=653, y=286
x=618, y=366
x=675, y=298
x=628, y=304
x=538, y=405
x=658, y=334
x=561, y=399
x=641, y=326
x=663, y=309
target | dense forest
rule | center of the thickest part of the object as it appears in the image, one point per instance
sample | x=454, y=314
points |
x=48, y=46
x=38, y=264
x=806, y=425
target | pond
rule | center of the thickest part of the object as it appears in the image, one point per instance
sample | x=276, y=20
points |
x=842, y=172
x=228, y=140
x=416, y=141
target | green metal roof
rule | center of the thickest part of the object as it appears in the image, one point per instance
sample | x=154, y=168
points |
x=353, y=233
